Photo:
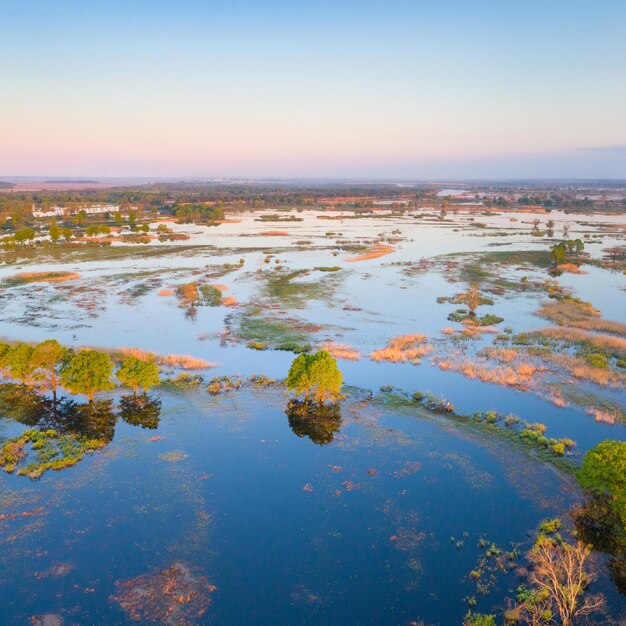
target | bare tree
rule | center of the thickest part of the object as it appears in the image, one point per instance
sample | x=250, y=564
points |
x=472, y=299
x=559, y=573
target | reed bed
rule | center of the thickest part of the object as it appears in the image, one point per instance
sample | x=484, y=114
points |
x=579, y=315
x=181, y=361
x=404, y=348
x=580, y=368
x=341, y=351
x=573, y=335
x=519, y=376
x=184, y=361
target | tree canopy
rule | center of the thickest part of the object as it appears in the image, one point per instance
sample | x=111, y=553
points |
x=316, y=376
x=88, y=372
x=604, y=472
x=136, y=373
x=47, y=359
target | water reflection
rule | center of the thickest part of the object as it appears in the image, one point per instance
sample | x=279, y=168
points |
x=599, y=525
x=318, y=422
x=141, y=411
x=96, y=420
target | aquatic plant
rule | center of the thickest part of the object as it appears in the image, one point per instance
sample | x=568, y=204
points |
x=174, y=596
x=185, y=361
x=48, y=450
x=182, y=382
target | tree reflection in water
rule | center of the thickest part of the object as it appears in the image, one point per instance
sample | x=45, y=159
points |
x=601, y=526
x=318, y=422
x=141, y=411
x=66, y=420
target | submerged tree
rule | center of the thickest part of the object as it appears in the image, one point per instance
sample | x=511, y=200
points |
x=88, y=372
x=316, y=376
x=136, y=373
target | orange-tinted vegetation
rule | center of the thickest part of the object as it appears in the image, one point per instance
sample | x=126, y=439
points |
x=48, y=277
x=403, y=348
x=185, y=361
x=579, y=315
x=374, y=253
x=341, y=351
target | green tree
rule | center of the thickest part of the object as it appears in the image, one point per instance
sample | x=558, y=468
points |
x=67, y=233
x=4, y=350
x=316, y=376
x=558, y=253
x=88, y=372
x=603, y=472
x=136, y=373
x=18, y=361
x=24, y=234
x=55, y=231
x=47, y=359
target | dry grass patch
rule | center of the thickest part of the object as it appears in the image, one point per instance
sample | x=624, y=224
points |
x=403, y=348
x=229, y=301
x=273, y=233
x=342, y=351
x=166, y=292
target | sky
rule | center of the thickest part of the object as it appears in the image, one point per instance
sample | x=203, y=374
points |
x=393, y=89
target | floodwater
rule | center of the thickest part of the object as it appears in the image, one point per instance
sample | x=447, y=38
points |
x=285, y=529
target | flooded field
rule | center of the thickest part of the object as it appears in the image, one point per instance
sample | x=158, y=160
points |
x=221, y=508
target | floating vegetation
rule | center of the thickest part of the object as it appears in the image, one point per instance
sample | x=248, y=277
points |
x=48, y=450
x=174, y=596
x=223, y=384
x=174, y=456
x=262, y=333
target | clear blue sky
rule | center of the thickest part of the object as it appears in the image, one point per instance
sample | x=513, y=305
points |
x=389, y=89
